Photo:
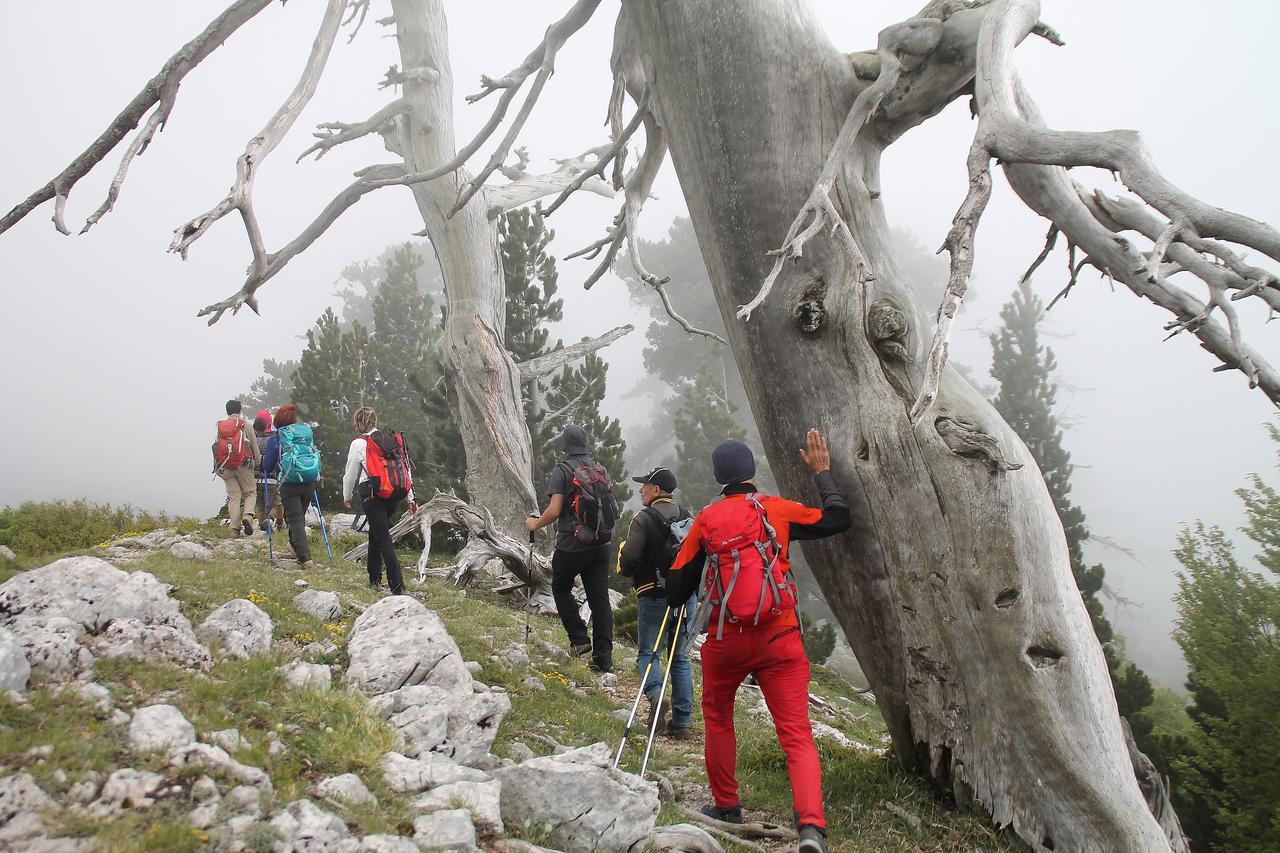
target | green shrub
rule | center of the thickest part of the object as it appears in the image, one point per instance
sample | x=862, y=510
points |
x=819, y=639
x=50, y=527
x=625, y=617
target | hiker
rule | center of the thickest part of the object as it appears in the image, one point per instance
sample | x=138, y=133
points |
x=645, y=557
x=266, y=485
x=292, y=459
x=380, y=469
x=584, y=508
x=233, y=447
x=737, y=549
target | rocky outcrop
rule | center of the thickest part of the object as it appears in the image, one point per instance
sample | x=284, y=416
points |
x=429, y=719
x=409, y=775
x=591, y=805
x=301, y=675
x=348, y=787
x=159, y=728
x=240, y=627
x=398, y=642
x=14, y=669
x=320, y=604
x=190, y=551
x=449, y=831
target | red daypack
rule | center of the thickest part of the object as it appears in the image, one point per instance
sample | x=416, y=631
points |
x=744, y=577
x=387, y=462
x=230, y=450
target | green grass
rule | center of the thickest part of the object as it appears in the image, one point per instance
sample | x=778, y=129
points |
x=332, y=732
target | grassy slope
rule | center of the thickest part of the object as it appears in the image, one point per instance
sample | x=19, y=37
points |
x=332, y=732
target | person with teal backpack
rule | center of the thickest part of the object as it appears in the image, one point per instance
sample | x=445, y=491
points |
x=291, y=455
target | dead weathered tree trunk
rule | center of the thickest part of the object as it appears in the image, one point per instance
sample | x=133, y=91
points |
x=954, y=585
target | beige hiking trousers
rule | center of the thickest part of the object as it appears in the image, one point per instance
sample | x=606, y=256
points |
x=241, y=494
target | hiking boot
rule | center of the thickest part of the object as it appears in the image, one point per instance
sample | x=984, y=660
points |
x=680, y=732
x=308, y=565
x=246, y=524
x=730, y=815
x=660, y=711
x=812, y=840
x=579, y=649
x=600, y=666
x=375, y=585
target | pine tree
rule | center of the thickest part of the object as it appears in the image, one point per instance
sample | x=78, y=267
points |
x=1227, y=773
x=703, y=418
x=1026, y=399
x=574, y=397
x=273, y=387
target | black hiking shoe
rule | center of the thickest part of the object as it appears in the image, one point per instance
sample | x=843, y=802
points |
x=246, y=524
x=731, y=815
x=812, y=840
x=579, y=649
x=600, y=666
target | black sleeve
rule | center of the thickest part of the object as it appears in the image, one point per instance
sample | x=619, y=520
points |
x=633, y=548
x=684, y=583
x=835, y=512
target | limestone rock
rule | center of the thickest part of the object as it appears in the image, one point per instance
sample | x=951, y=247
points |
x=459, y=725
x=19, y=794
x=243, y=799
x=88, y=692
x=304, y=826
x=51, y=645
x=228, y=739
x=482, y=799
x=386, y=844
x=684, y=838
x=397, y=642
x=409, y=775
x=6, y=553
x=240, y=626
x=449, y=831
x=520, y=751
x=190, y=551
x=322, y=605
x=555, y=790
x=126, y=789
x=216, y=761
x=346, y=787
x=158, y=728
x=14, y=669
x=300, y=675
x=341, y=522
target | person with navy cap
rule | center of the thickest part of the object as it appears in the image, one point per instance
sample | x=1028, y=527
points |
x=644, y=557
x=736, y=553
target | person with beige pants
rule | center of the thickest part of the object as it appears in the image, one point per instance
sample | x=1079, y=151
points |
x=236, y=468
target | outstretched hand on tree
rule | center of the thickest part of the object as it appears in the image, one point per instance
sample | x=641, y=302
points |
x=817, y=456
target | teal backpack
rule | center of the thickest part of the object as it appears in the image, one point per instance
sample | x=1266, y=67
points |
x=299, y=459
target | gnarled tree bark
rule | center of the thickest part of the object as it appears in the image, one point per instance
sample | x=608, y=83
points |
x=953, y=585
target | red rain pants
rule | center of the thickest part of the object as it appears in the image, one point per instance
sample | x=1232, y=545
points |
x=776, y=656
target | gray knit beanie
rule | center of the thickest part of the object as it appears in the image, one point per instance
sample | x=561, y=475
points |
x=733, y=462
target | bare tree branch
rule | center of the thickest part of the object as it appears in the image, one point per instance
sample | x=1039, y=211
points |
x=160, y=90
x=538, y=367
x=332, y=134
x=572, y=174
x=361, y=8
x=606, y=155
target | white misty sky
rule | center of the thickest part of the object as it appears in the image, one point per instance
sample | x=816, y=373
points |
x=111, y=384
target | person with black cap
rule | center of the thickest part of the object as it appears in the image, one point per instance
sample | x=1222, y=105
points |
x=645, y=557
x=584, y=509
x=736, y=551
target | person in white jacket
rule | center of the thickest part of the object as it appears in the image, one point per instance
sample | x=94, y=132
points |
x=355, y=480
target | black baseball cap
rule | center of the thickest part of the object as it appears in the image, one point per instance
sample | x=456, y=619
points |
x=661, y=477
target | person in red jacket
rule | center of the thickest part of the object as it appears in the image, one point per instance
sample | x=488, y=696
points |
x=736, y=554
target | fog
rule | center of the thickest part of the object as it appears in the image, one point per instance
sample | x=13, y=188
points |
x=111, y=384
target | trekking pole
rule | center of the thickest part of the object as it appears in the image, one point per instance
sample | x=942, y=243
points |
x=528, y=596
x=666, y=676
x=267, y=515
x=315, y=496
x=635, y=706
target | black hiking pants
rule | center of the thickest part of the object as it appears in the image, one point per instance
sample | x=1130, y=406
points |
x=382, y=551
x=593, y=566
x=296, y=497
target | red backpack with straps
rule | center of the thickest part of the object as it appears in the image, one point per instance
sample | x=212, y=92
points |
x=744, y=578
x=231, y=450
x=387, y=462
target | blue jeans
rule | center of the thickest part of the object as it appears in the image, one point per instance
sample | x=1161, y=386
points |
x=649, y=613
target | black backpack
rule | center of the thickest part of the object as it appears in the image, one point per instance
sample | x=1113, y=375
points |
x=674, y=531
x=592, y=503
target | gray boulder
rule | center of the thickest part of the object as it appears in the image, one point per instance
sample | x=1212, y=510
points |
x=190, y=551
x=51, y=645
x=136, y=640
x=14, y=669
x=307, y=828
x=241, y=627
x=300, y=675
x=341, y=522
x=397, y=642
x=459, y=725
x=320, y=604
x=216, y=761
x=482, y=799
x=684, y=838
x=243, y=799
x=348, y=787
x=6, y=553
x=449, y=831
x=159, y=728
x=386, y=844
x=620, y=808
x=21, y=804
x=409, y=775
x=228, y=739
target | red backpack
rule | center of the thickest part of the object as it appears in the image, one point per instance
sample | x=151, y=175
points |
x=230, y=450
x=743, y=578
x=387, y=462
